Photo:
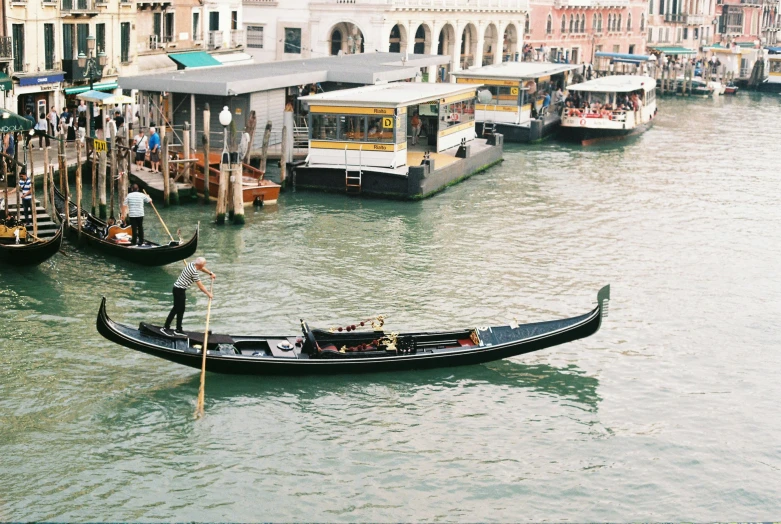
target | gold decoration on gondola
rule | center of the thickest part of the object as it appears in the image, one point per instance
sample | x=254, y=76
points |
x=390, y=341
x=375, y=322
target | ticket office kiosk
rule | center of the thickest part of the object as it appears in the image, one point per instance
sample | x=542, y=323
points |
x=509, y=103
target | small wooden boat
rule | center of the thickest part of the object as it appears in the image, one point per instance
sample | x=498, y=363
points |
x=256, y=190
x=330, y=351
x=731, y=89
x=96, y=233
x=30, y=253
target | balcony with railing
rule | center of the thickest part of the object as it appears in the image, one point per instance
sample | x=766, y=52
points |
x=756, y=3
x=6, y=49
x=238, y=37
x=408, y=5
x=694, y=20
x=590, y=4
x=674, y=18
x=214, y=40
x=79, y=8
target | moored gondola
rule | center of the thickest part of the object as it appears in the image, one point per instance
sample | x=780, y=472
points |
x=32, y=253
x=95, y=233
x=331, y=352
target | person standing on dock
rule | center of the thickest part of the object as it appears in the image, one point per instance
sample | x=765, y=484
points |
x=26, y=194
x=133, y=210
x=185, y=280
x=139, y=146
x=417, y=125
x=154, y=149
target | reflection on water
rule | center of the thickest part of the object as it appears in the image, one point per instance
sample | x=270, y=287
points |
x=617, y=427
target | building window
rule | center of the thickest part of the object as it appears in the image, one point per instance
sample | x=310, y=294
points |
x=48, y=46
x=618, y=23
x=100, y=38
x=214, y=21
x=234, y=20
x=82, y=32
x=196, y=26
x=650, y=34
x=549, y=25
x=642, y=22
x=67, y=41
x=563, y=24
x=125, y=35
x=169, y=27
x=685, y=33
x=629, y=22
x=527, y=25
x=292, y=40
x=18, y=34
x=255, y=36
x=594, y=23
x=617, y=48
x=158, y=26
x=650, y=7
x=573, y=28
x=582, y=23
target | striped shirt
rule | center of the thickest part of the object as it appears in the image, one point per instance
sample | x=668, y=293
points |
x=135, y=203
x=188, y=276
x=24, y=187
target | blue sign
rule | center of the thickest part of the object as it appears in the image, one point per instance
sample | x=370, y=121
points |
x=37, y=80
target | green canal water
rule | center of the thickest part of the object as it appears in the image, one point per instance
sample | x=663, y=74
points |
x=670, y=412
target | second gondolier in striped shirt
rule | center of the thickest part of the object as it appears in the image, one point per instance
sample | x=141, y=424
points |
x=26, y=192
x=134, y=212
x=185, y=280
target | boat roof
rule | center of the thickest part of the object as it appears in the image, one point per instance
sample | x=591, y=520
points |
x=519, y=70
x=228, y=80
x=398, y=94
x=616, y=83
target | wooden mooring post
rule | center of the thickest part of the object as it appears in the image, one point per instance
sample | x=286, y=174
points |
x=186, y=152
x=283, y=157
x=94, y=179
x=114, y=167
x=237, y=177
x=206, y=145
x=34, y=210
x=102, y=161
x=46, y=181
x=264, y=150
x=78, y=190
x=222, y=193
x=166, y=176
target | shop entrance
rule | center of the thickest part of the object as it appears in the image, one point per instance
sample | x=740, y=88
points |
x=38, y=103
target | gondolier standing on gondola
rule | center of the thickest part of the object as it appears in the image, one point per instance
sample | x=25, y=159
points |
x=185, y=280
x=134, y=211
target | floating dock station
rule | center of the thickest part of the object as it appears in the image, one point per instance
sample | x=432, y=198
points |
x=362, y=141
x=515, y=105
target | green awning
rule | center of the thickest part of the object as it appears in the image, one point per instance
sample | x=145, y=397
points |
x=5, y=82
x=100, y=86
x=673, y=50
x=195, y=59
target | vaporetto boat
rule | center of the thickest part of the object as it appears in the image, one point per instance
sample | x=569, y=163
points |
x=608, y=108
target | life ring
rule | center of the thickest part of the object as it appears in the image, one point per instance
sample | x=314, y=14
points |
x=454, y=117
x=583, y=121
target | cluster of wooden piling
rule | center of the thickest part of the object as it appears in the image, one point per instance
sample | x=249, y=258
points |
x=668, y=83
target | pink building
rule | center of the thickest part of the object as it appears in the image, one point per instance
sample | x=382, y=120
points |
x=573, y=30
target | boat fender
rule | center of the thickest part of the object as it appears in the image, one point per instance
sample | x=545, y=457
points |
x=258, y=202
x=583, y=121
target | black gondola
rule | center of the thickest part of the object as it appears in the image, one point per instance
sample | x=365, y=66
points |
x=150, y=254
x=327, y=352
x=31, y=254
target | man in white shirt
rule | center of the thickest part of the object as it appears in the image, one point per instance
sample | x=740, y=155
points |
x=133, y=211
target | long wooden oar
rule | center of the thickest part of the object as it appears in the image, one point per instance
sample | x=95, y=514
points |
x=161, y=218
x=202, y=389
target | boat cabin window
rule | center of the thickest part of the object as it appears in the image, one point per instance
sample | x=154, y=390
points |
x=381, y=129
x=357, y=128
x=352, y=127
x=775, y=66
x=456, y=113
x=324, y=127
x=503, y=95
